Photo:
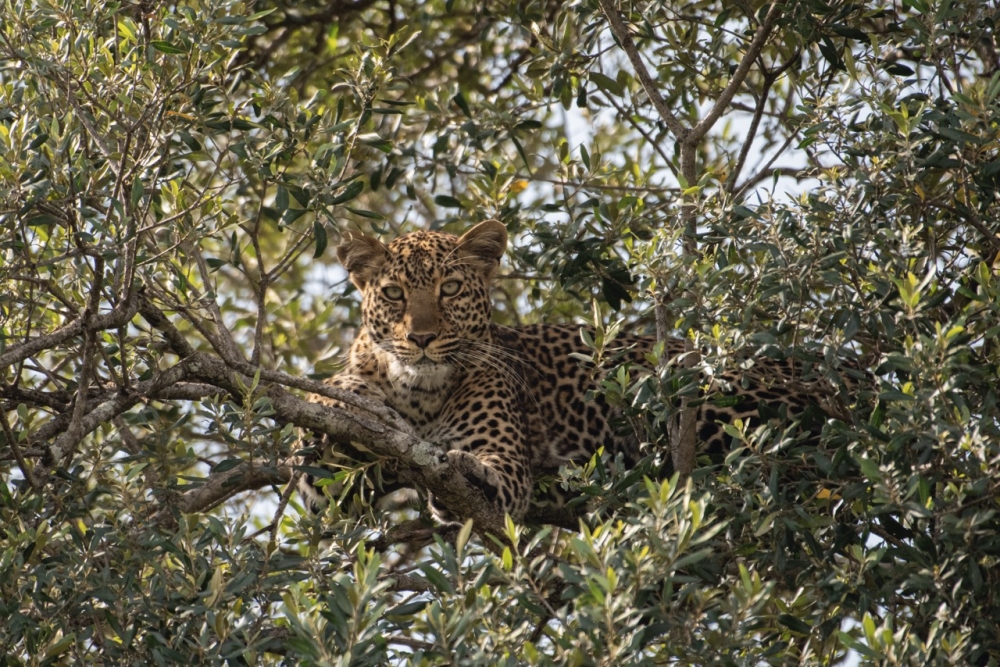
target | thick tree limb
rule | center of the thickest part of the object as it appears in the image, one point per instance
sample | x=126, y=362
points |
x=159, y=321
x=57, y=400
x=106, y=411
x=424, y=462
x=182, y=348
x=119, y=316
x=220, y=487
x=681, y=427
x=187, y=391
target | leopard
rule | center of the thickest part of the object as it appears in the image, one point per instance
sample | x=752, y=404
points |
x=510, y=405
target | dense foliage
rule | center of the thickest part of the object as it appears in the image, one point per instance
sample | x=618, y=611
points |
x=808, y=180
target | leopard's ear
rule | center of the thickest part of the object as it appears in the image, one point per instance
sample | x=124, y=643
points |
x=484, y=245
x=362, y=256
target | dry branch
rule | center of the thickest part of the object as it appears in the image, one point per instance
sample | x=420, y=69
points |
x=426, y=463
x=219, y=487
x=106, y=411
x=120, y=315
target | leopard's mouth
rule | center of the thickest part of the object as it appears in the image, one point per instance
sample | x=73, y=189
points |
x=420, y=371
x=422, y=358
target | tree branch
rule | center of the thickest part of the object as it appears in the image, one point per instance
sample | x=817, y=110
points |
x=73, y=433
x=107, y=411
x=219, y=487
x=15, y=448
x=226, y=346
x=620, y=31
x=424, y=463
x=121, y=314
x=722, y=103
x=764, y=174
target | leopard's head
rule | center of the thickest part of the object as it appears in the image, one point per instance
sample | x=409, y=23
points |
x=425, y=297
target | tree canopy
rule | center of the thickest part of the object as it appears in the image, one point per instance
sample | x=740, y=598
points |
x=810, y=179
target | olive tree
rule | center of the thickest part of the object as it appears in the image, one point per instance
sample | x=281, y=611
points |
x=810, y=181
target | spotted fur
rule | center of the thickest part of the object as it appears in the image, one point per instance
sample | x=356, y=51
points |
x=509, y=404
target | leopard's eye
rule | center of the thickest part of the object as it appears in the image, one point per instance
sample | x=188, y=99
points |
x=393, y=292
x=450, y=288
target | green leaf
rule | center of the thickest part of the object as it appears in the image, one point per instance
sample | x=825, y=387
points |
x=319, y=233
x=166, y=47
x=447, y=201
x=407, y=608
x=364, y=213
x=137, y=192
x=795, y=624
x=607, y=84
x=383, y=145
x=38, y=141
x=520, y=151
x=261, y=14
x=59, y=647
x=42, y=220
x=291, y=215
x=870, y=469
x=226, y=464
x=349, y=193
x=528, y=125
x=320, y=473
x=460, y=100
x=463, y=536
x=437, y=578
x=281, y=199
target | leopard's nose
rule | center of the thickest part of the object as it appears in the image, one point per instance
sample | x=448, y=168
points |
x=422, y=340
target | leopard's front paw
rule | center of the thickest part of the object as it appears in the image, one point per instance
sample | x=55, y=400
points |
x=479, y=475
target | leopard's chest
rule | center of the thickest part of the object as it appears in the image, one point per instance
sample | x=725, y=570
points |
x=447, y=416
x=421, y=409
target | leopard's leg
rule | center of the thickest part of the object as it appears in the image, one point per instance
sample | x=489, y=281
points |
x=490, y=449
x=334, y=456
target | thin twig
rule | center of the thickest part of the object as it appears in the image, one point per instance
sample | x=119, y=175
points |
x=228, y=348
x=73, y=433
x=8, y=433
x=272, y=542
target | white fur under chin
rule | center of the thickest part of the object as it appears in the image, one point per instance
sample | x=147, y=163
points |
x=425, y=376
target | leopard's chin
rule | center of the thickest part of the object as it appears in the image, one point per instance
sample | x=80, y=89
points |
x=424, y=373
